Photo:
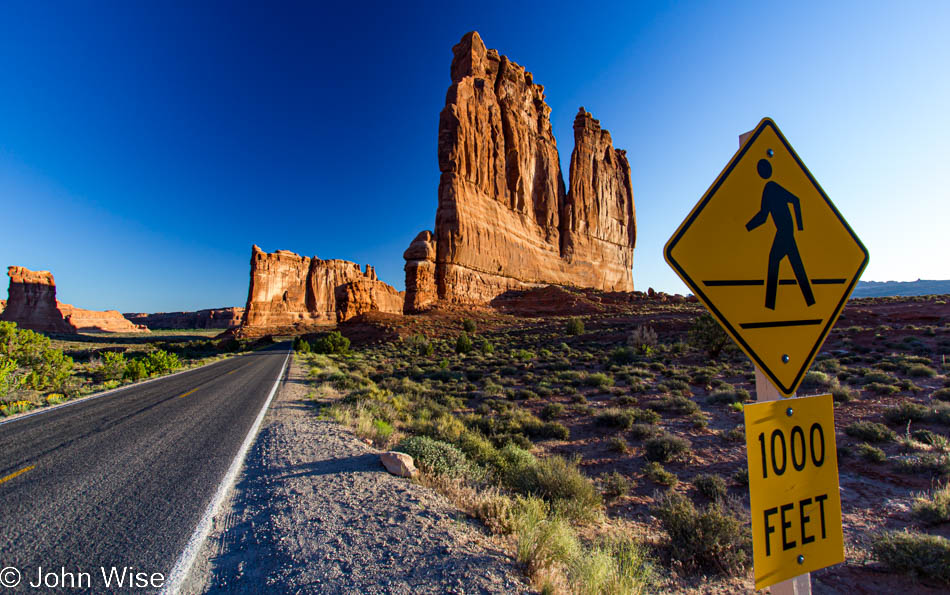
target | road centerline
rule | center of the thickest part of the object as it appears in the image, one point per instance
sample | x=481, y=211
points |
x=17, y=473
x=189, y=392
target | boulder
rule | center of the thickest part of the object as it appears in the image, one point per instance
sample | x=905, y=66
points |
x=505, y=220
x=398, y=463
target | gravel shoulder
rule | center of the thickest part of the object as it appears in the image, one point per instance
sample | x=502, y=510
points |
x=314, y=511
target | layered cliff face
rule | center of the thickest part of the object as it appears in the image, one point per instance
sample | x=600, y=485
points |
x=32, y=304
x=211, y=318
x=504, y=220
x=289, y=290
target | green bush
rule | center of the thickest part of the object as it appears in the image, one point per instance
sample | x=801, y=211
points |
x=435, y=456
x=710, y=485
x=941, y=394
x=869, y=453
x=301, y=346
x=736, y=395
x=905, y=412
x=622, y=356
x=615, y=485
x=933, y=508
x=913, y=553
x=707, y=336
x=575, y=326
x=870, y=431
x=703, y=540
x=921, y=371
x=673, y=404
x=160, y=362
x=618, y=444
x=625, y=418
x=332, y=342
x=463, y=344
x=666, y=447
x=30, y=360
x=112, y=366
x=552, y=410
x=598, y=379
x=420, y=345
x=135, y=370
x=658, y=474
x=486, y=347
x=468, y=325
x=558, y=481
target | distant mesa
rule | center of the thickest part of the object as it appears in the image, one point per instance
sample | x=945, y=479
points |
x=32, y=304
x=505, y=220
x=212, y=318
x=290, y=293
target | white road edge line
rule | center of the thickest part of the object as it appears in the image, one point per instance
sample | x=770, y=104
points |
x=111, y=391
x=187, y=558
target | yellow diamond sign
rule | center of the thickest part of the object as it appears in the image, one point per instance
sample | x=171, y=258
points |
x=770, y=256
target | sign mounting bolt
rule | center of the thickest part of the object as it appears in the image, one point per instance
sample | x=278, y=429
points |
x=789, y=412
x=785, y=358
x=801, y=559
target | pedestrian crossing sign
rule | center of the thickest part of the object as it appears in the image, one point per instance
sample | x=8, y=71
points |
x=770, y=256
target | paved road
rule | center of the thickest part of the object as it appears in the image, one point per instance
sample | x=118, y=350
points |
x=123, y=480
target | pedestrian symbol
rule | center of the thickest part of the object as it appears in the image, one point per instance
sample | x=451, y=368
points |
x=770, y=256
x=775, y=201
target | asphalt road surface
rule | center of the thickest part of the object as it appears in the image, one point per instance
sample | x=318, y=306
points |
x=122, y=480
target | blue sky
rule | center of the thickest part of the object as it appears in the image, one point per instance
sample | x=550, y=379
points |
x=144, y=147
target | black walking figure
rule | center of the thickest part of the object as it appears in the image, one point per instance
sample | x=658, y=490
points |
x=775, y=201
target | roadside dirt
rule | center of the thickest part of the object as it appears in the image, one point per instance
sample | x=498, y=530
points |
x=314, y=511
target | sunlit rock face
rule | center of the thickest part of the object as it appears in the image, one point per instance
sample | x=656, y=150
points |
x=289, y=290
x=504, y=218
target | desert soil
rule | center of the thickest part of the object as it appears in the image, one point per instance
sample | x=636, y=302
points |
x=314, y=511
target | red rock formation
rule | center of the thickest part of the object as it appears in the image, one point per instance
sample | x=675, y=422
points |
x=202, y=319
x=289, y=291
x=504, y=220
x=31, y=302
x=33, y=305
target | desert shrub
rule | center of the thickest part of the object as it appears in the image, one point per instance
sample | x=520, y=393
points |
x=941, y=394
x=575, y=326
x=735, y=395
x=496, y=512
x=673, y=404
x=548, y=430
x=615, y=485
x=618, y=444
x=435, y=456
x=817, y=379
x=940, y=413
x=383, y=431
x=843, y=394
x=463, y=344
x=640, y=431
x=870, y=431
x=486, y=347
x=913, y=553
x=741, y=476
x=541, y=540
x=622, y=356
x=921, y=371
x=160, y=362
x=656, y=473
x=736, y=434
x=643, y=339
x=7, y=409
x=933, y=463
x=881, y=388
x=869, y=453
x=419, y=345
x=111, y=366
x=666, y=447
x=598, y=379
x=698, y=419
x=710, y=485
x=301, y=346
x=332, y=342
x=703, y=540
x=552, y=410
x=135, y=370
x=905, y=412
x=707, y=336
x=522, y=355
x=558, y=481
x=925, y=436
x=29, y=359
x=468, y=325
x=933, y=508
x=876, y=377
x=625, y=418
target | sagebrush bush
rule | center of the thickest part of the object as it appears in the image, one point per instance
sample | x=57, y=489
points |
x=332, y=342
x=706, y=335
x=870, y=431
x=703, y=540
x=558, y=481
x=463, y=344
x=28, y=359
x=658, y=474
x=666, y=447
x=905, y=412
x=468, y=325
x=710, y=485
x=933, y=508
x=575, y=326
x=914, y=553
x=435, y=456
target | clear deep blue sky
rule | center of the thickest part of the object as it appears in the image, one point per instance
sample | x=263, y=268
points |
x=144, y=147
